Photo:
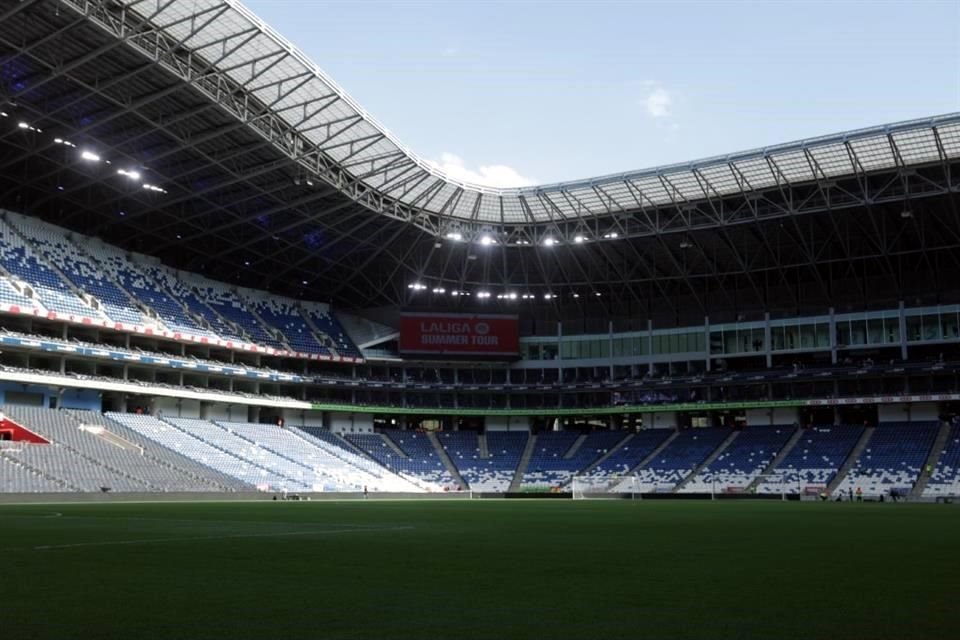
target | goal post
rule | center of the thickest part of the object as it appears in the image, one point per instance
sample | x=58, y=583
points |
x=583, y=487
x=777, y=483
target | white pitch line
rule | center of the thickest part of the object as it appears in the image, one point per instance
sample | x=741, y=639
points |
x=322, y=532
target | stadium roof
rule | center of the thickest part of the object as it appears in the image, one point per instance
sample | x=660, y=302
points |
x=264, y=173
x=233, y=41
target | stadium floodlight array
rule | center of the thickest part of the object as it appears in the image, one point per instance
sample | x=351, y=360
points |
x=88, y=155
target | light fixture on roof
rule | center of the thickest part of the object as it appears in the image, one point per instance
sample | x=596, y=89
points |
x=906, y=213
x=549, y=241
x=150, y=187
x=487, y=240
x=597, y=293
x=523, y=241
x=576, y=295
x=548, y=296
x=579, y=238
x=439, y=290
x=611, y=235
x=483, y=294
x=417, y=286
x=89, y=156
x=133, y=175
x=305, y=281
x=685, y=244
x=511, y=296
x=455, y=236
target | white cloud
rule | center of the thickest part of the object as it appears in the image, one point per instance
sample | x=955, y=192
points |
x=450, y=52
x=493, y=175
x=658, y=103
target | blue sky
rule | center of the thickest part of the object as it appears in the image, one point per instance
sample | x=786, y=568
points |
x=512, y=93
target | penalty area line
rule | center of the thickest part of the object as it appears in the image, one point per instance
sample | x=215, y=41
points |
x=320, y=532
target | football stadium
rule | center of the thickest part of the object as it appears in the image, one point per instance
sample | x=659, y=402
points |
x=265, y=372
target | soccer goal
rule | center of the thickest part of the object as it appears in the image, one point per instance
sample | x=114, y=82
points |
x=583, y=487
x=776, y=483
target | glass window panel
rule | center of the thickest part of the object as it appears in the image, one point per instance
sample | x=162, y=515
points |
x=891, y=330
x=950, y=326
x=875, y=331
x=914, y=331
x=716, y=342
x=808, y=336
x=931, y=326
x=822, y=334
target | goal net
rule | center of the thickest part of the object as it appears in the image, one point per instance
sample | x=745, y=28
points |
x=584, y=487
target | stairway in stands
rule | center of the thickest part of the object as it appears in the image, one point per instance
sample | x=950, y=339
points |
x=609, y=453
x=780, y=457
x=851, y=459
x=931, y=463
x=709, y=460
x=524, y=462
x=447, y=462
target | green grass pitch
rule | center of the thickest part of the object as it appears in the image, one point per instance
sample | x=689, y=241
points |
x=479, y=569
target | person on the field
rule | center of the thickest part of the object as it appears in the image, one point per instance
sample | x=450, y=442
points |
x=364, y=492
x=859, y=494
x=850, y=492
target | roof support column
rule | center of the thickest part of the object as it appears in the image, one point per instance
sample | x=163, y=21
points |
x=833, y=337
x=902, y=318
x=706, y=341
x=766, y=339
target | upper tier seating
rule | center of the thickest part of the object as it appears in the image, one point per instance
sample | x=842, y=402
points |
x=53, y=293
x=283, y=316
x=135, y=279
x=813, y=461
x=104, y=283
x=81, y=269
x=10, y=295
x=945, y=480
x=227, y=304
x=328, y=324
x=892, y=459
x=185, y=295
x=747, y=456
x=679, y=458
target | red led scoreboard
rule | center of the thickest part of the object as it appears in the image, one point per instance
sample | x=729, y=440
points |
x=459, y=334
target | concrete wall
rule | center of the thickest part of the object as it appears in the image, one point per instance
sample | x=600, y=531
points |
x=87, y=399
x=660, y=420
x=507, y=423
x=914, y=412
x=350, y=422
x=924, y=412
x=777, y=415
x=175, y=407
